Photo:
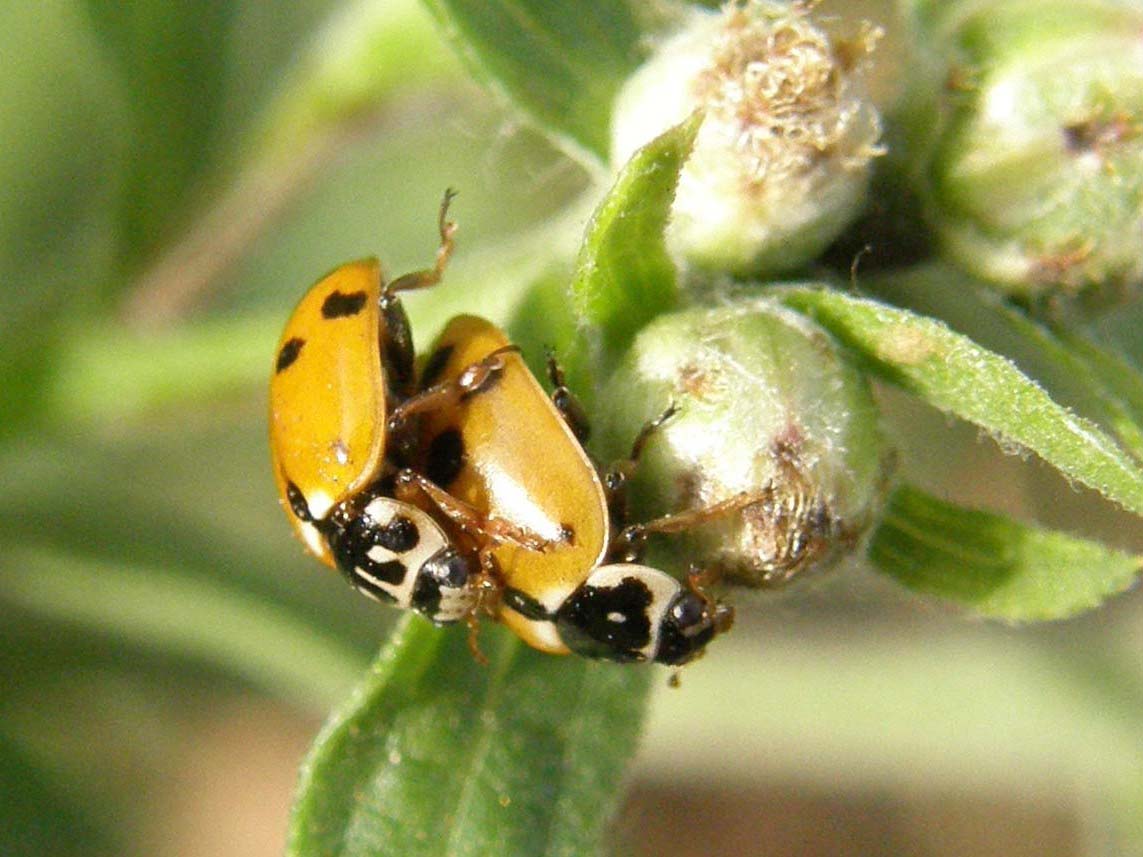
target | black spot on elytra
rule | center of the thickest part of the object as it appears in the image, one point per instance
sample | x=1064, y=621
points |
x=342, y=304
x=289, y=354
x=609, y=622
x=445, y=457
x=435, y=365
x=297, y=501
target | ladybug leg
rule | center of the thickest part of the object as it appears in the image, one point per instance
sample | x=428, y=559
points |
x=474, y=378
x=566, y=402
x=677, y=522
x=472, y=621
x=429, y=276
x=628, y=543
x=617, y=476
x=396, y=334
x=649, y=428
x=412, y=487
x=488, y=588
x=698, y=581
x=489, y=583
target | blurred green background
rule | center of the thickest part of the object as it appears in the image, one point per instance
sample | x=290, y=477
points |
x=172, y=177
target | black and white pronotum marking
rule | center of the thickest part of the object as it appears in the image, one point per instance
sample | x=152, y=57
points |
x=395, y=553
x=628, y=612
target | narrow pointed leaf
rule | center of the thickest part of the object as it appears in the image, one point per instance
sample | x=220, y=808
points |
x=1103, y=386
x=996, y=566
x=954, y=374
x=624, y=276
x=1117, y=377
x=188, y=615
x=438, y=755
x=561, y=63
x=1075, y=371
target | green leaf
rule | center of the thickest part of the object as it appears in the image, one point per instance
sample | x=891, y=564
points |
x=1101, y=385
x=1076, y=372
x=438, y=755
x=953, y=373
x=624, y=276
x=543, y=320
x=994, y=565
x=170, y=64
x=363, y=55
x=107, y=375
x=163, y=609
x=39, y=818
x=562, y=63
x=1117, y=379
x=62, y=165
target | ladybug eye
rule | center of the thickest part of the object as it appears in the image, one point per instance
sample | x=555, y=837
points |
x=690, y=614
x=451, y=569
x=687, y=627
x=443, y=591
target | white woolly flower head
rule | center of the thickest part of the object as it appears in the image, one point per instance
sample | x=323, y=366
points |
x=782, y=160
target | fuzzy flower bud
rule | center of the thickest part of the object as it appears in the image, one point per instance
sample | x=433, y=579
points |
x=1025, y=141
x=782, y=161
x=765, y=408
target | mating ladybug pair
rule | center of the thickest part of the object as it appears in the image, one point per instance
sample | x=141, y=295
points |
x=460, y=488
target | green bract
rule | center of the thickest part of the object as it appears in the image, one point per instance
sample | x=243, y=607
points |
x=1024, y=141
x=767, y=406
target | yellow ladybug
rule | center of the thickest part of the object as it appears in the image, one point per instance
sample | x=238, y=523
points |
x=508, y=450
x=343, y=378
x=464, y=487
